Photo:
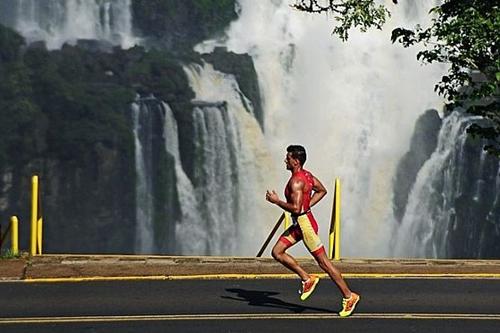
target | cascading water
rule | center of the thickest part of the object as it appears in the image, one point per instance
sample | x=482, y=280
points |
x=352, y=105
x=230, y=157
x=216, y=208
x=450, y=194
x=190, y=237
x=60, y=21
x=216, y=176
x=219, y=201
x=142, y=117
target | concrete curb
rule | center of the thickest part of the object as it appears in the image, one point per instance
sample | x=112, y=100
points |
x=135, y=266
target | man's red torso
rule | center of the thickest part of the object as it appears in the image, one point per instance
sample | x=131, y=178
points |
x=308, y=180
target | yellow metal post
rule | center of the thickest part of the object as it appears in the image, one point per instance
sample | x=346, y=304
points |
x=331, y=232
x=337, y=220
x=39, y=235
x=14, y=240
x=34, y=214
x=287, y=220
x=334, y=235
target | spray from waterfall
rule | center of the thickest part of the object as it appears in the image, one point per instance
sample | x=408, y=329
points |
x=231, y=165
x=64, y=21
x=352, y=105
x=448, y=188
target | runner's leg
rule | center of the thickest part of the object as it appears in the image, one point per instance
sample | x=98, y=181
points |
x=327, y=266
x=287, y=240
x=309, y=231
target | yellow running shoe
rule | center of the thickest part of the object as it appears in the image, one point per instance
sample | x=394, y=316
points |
x=348, y=305
x=308, y=287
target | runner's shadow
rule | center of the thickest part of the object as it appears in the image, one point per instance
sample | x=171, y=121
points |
x=264, y=298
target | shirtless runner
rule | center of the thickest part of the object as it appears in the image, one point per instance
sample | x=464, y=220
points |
x=302, y=192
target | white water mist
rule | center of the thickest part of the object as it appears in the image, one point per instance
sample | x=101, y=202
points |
x=64, y=21
x=352, y=105
x=231, y=165
x=425, y=226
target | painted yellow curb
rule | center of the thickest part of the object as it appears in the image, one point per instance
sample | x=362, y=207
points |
x=267, y=276
x=249, y=316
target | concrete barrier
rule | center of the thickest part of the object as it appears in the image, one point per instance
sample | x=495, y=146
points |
x=167, y=267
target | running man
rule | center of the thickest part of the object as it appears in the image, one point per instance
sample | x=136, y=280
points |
x=299, y=200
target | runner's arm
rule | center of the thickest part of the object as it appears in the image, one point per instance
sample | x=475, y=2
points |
x=293, y=207
x=319, y=192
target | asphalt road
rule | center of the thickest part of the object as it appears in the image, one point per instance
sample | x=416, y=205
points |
x=387, y=305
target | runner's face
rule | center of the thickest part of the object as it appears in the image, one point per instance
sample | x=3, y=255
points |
x=289, y=160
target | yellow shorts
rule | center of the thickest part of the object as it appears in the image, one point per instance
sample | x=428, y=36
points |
x=304, y=227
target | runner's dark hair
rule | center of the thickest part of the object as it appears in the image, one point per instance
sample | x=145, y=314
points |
x=298, y=152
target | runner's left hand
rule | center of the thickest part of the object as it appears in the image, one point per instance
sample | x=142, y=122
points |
x=272, y=196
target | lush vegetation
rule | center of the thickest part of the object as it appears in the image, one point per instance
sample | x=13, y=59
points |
x=182, y=24
x=18, y=110
x=59, y=104
x=8, y=254
x=349, y=14
x=463, y=34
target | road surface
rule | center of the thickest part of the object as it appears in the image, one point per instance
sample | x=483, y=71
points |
x=249, y=305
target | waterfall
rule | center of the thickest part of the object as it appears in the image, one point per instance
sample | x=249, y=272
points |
x=216, y=175
x=442, y=199
x=231, y=162
x=352, y=105
x=221, y=210
x=60, y=21
x=190, y=238
x=141, y=117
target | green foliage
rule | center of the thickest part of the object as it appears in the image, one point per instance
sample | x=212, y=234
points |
x=157, y=72
x=362, y=14
x=464, y=34
x=9, y=254
x=11, y=44
x=82, y=106
x=18, y=111
x=214, y=14
x=182, y=24
x=63, y=104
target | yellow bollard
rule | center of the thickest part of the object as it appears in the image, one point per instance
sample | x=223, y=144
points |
x=334, y=235
x=287, y=220
x=337, y=220
x=34, y=214
x=14, y=236
x=39, y=234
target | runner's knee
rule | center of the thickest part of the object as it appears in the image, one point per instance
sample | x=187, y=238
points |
x=277, y=253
